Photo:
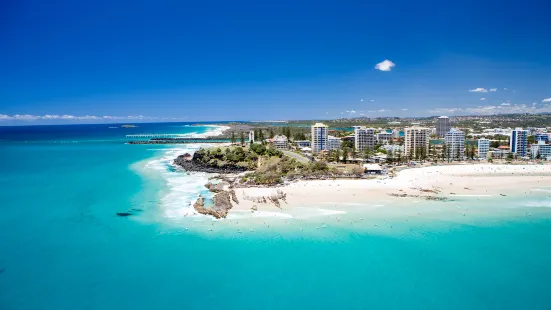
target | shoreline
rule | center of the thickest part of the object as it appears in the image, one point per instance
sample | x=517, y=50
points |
x=435, y=184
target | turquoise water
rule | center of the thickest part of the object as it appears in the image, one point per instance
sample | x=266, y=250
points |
x=63, y=247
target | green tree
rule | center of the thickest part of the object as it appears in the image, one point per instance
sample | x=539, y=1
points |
x=368, y=154
x=232, y=137
x=345, y=155
x=399, y=156
x=242, y=138
x=510, y=157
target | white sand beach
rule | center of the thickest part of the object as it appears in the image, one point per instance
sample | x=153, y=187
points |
x=327, y=197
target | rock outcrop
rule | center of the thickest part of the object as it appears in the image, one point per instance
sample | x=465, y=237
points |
x=216, y=188
x=234, y=196
x=222, y=205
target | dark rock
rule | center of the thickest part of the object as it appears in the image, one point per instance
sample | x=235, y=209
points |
x=197, y=165
x=124, y=213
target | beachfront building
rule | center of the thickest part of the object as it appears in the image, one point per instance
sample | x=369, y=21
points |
x=384, y=137
x=541, y=150
x=416, y=140
x=364, y=138
x=541, y=136
x=251, y=136
x=281, y=142
x=455, y=144
x=333, y=143
x=483, y=147
x=443, y=126
x=319, y=138
x=518, y=144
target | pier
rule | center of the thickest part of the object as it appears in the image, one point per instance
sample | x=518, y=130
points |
x=167, y=138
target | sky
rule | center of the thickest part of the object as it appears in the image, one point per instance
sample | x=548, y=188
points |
x=65, y=61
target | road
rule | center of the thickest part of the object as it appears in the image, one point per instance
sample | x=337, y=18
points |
x=300, y=158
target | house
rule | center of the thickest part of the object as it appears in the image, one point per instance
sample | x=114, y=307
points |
x=373, y=169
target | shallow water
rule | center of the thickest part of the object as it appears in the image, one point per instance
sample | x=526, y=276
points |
x=63, y=247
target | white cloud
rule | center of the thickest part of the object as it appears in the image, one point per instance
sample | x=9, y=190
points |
x=351, y=112
x=503, y=108
x=505, y=89
x=385, y=65
x=383, y=110
x=546, y=100
x=482, y=98
x=66, y=117
x=478, y=90
x=26, y=117
x=372, y=100
x=493, y=89
x=405, y=109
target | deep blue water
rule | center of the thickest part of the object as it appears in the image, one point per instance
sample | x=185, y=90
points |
x=63, y=247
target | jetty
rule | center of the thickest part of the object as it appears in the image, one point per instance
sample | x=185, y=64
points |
x=167, y=138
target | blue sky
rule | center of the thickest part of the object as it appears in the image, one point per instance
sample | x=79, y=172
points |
x=98, y=61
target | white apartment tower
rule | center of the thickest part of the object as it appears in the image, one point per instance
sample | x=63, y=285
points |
x=251, y=136
x=455, y=144
x=319, y=138
x=443, y=126
x=364, y=138
x=483, y=147
x=416, y=139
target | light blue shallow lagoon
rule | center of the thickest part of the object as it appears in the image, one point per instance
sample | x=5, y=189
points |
x=63, y=247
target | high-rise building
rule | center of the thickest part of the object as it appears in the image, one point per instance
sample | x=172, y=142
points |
x=319, y=138
x=455, y=144
x=384, y=137
x=518, y=143
x=541, y=136
x=364, y=138
x=251, y=136
x=333, y=143
x=416, y=140
x=443, y=126
x=483, y=147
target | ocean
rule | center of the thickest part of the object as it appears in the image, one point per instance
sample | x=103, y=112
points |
x=63, y=247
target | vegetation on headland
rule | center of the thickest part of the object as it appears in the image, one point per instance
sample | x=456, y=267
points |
x=273, y=171
x=235, y=156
